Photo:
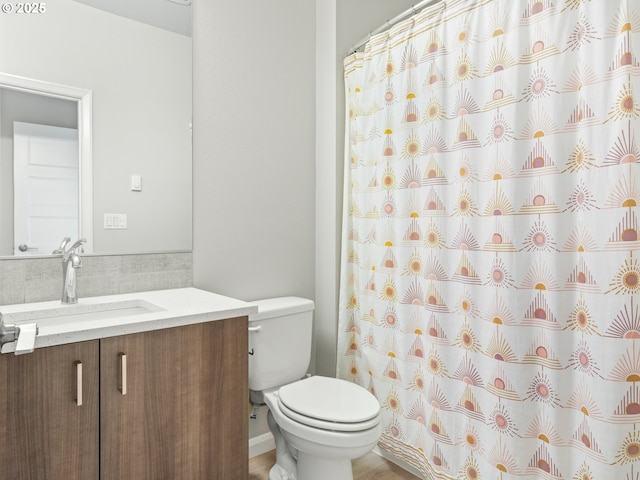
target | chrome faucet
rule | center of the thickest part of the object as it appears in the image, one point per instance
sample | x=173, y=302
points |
x=70, y=262
x=8, y=332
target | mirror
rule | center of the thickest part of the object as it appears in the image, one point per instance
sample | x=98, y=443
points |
x=127, y=78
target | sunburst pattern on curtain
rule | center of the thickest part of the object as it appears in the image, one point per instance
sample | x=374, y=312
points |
x=491, y=258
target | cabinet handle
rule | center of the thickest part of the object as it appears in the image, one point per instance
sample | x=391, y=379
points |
x=123, y=373
x=79, y=383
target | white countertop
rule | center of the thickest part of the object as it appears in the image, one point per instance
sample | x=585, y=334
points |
x=173, y=308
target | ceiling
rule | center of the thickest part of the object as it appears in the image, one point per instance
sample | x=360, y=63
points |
x=172, y=15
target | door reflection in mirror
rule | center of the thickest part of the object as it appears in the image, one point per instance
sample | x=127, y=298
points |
x=38, y=172
x=45, y=181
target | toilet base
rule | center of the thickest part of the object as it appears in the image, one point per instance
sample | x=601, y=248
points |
x=311, y=467
x=307, y=453
x=286, y=465
x=279, y=473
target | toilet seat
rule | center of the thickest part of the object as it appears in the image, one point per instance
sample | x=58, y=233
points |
x=329, y=404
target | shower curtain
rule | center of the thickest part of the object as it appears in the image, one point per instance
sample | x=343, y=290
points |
x=490, y=272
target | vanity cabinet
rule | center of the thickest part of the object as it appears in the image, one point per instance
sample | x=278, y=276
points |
x=167, y=404
x=44, y=433
x=184, y=414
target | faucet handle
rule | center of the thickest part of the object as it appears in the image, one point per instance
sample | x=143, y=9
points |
x=73, y=249
x=78, y=243
x=60, y=249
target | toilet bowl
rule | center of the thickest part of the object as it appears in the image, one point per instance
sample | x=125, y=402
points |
x=341, y=424
x=319, y=424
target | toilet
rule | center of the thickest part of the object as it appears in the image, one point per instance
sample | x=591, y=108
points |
x=319, y=424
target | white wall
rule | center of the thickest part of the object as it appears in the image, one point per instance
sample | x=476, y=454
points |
x=133, y=70
x=328, y=191
x=253, y=171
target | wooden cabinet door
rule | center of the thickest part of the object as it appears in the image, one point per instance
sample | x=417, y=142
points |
x=182, y=414
x=44, y=433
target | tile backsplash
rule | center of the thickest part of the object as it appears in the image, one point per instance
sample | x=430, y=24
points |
x=27, y=280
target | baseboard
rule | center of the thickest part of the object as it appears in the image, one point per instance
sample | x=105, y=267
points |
x=261, y=444
x=398, y=461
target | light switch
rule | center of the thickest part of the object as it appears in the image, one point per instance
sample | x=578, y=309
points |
x=115, y=221
x=121, y=219
x=136, y=183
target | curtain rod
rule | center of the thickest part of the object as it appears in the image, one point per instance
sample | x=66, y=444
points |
x=390, y=23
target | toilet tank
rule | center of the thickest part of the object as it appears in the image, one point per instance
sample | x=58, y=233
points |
x=279, y=341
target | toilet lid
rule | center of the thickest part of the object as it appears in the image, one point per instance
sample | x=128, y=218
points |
x=329, y=400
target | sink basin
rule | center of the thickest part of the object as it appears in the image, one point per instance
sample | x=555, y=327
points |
x=82, y=312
